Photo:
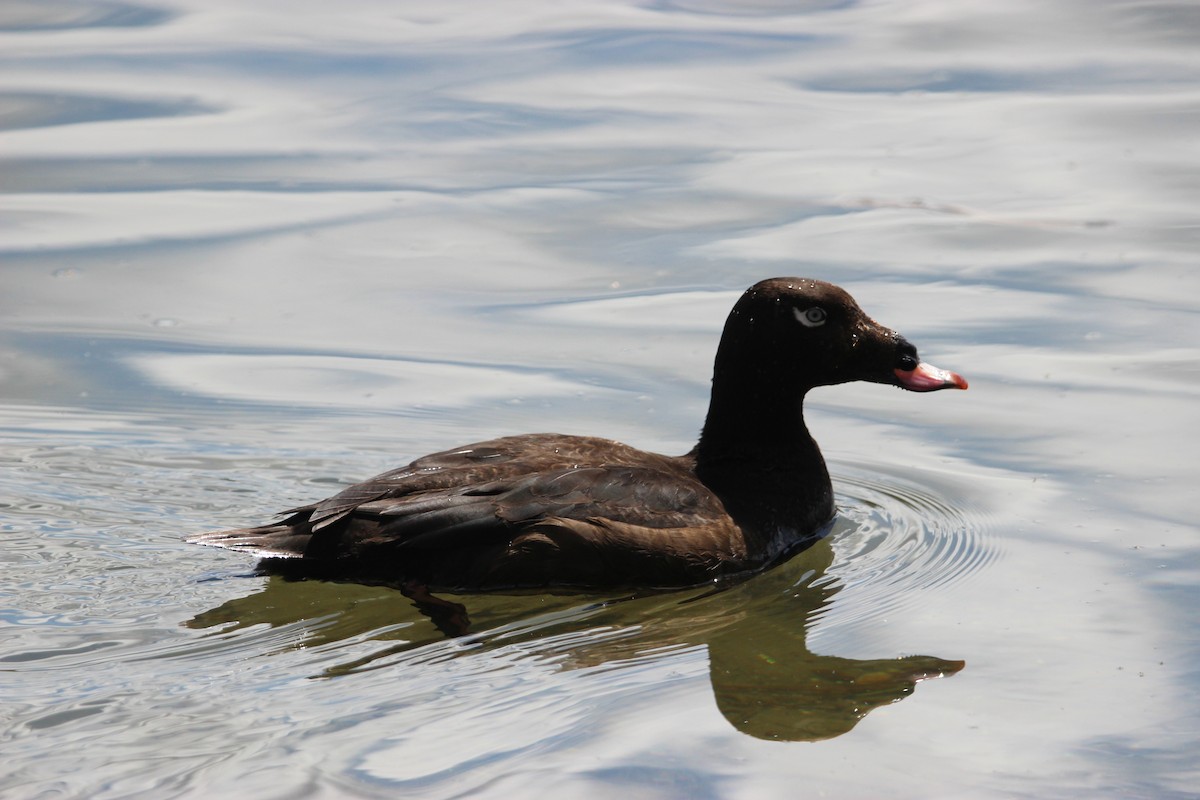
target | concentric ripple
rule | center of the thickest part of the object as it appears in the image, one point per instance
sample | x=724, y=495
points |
x=898, y=536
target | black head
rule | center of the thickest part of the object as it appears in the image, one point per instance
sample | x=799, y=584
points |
x=797, y=333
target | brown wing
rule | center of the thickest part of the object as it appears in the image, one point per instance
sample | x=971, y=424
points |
x=530, y=510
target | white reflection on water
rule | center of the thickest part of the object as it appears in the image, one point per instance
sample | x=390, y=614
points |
x=477, y=204
x=347, y=382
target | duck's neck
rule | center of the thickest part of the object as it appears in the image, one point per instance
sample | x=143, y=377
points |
x=756, y=454
x=758, y=430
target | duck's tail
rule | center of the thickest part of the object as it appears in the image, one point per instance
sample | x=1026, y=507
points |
x=287, y=539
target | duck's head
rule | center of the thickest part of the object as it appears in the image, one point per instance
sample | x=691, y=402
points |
x=803, y=333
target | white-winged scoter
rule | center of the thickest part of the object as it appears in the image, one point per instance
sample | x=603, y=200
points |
x=544, y=509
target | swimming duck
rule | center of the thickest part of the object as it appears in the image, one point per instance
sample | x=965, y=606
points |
x=549, y=510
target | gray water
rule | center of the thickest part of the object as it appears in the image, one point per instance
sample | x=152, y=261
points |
x=254, y=252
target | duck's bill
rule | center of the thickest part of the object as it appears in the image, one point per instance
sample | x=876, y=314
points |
x=928, y=378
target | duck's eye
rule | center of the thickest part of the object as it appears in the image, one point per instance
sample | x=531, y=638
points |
x=811, y=318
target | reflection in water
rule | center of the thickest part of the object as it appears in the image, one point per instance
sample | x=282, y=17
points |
x=61, y=15
x=44, y=110
x=766, y=681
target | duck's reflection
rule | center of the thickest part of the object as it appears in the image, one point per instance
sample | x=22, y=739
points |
x=767, y=682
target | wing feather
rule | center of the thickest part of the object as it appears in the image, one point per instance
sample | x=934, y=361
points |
x=520, y=511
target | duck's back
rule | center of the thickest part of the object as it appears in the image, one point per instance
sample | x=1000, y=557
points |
x=521, y=511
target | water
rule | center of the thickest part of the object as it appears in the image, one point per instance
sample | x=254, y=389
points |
x=252, y=254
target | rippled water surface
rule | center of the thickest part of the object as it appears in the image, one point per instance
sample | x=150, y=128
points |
x=250, y=253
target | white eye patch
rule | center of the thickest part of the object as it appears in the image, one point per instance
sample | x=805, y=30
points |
x=811, y=318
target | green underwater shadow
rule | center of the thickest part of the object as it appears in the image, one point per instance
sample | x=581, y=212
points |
x=766, y=681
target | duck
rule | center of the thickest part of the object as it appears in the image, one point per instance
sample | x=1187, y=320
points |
x=545, y=510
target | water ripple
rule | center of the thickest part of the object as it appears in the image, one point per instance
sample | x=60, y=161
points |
x=901, y=534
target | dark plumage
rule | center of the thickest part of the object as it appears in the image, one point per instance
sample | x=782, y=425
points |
x=551, y=510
